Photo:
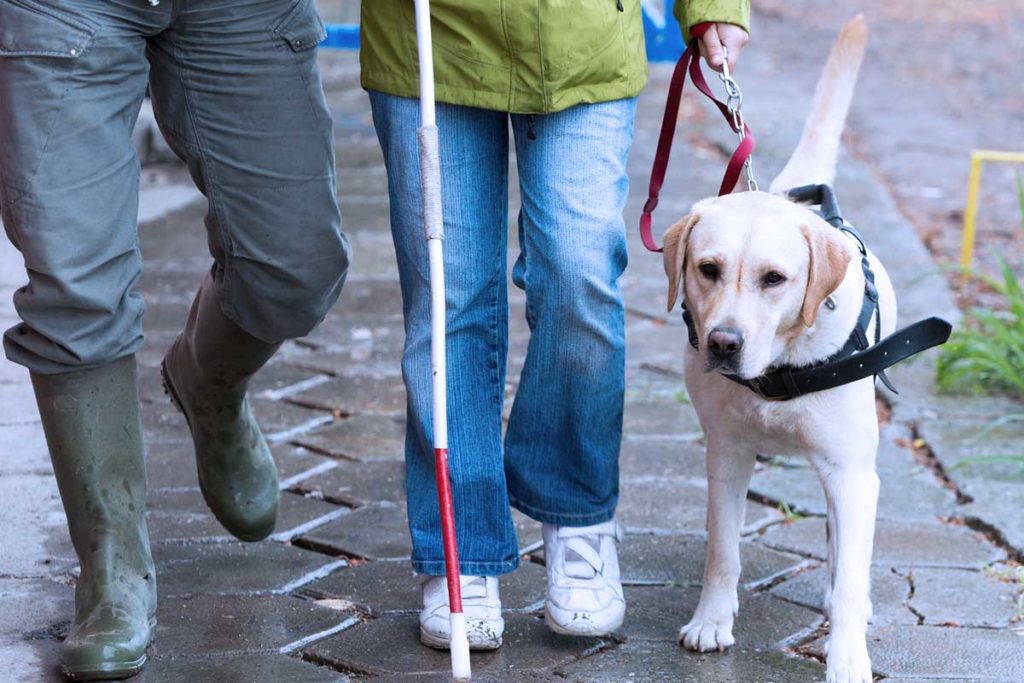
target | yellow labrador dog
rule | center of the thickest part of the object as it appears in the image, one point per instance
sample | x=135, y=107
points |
x=769, y=283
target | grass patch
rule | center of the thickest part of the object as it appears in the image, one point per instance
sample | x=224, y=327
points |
x=987, y=353
x=968, y=463
x=789, y=513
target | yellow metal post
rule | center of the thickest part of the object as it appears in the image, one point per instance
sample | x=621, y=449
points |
x=971, y=212
x=973, y=184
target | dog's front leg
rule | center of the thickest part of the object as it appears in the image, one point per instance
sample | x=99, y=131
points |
x=851, y=488
x=728, y=478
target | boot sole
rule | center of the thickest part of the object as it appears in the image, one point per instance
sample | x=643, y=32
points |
x=176, y=402
x=172, y=394
x=110, y=672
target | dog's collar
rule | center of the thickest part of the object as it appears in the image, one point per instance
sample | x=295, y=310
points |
x=858, y=358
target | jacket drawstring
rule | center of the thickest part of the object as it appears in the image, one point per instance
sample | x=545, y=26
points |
x=531, y=132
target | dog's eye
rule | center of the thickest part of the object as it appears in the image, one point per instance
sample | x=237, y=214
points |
x=709, y=270
x=773, y=278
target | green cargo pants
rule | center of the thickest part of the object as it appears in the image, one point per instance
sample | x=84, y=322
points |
x=237, y=93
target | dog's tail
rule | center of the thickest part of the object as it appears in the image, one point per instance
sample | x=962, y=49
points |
x=814, y=160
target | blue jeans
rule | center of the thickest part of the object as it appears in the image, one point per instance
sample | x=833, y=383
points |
x=559, y=464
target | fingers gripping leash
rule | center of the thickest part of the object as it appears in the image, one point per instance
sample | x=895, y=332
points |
x=731, y=109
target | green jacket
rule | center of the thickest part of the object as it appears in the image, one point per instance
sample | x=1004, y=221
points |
x=524, y=56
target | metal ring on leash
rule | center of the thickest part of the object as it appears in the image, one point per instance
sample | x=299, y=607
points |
x=734, y=102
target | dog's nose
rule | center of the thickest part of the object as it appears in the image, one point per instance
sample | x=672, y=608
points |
x=724, y=343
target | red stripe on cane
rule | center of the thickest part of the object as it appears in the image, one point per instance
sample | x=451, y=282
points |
x=451, y=548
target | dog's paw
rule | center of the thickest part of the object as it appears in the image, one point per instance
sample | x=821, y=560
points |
x=706, y=635
x=848, y=663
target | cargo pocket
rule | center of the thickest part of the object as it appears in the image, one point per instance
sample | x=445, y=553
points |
x=29, y=29
x=302, y=29
x=574, y=33
x=39, y=49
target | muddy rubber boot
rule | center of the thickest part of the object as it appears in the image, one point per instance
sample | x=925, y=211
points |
x=206, y=372
x=94, y=433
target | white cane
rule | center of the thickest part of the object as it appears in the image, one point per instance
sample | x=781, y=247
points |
x=430, y=179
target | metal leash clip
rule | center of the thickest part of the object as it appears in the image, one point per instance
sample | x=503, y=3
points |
x=734, y=102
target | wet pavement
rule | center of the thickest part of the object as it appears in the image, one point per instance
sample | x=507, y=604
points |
x=331, y=596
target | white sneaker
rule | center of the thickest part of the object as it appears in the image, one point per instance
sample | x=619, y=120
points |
x=584, y=589
x=480, y=604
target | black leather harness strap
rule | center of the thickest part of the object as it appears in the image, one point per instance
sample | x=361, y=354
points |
x=859, y=358
x=785, y=383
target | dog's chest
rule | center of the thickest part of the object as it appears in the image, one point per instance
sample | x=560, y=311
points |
x=775, y=426
x=734, y=413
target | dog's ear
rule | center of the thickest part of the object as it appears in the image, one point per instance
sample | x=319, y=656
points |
x=829, y=260
x=675, y=254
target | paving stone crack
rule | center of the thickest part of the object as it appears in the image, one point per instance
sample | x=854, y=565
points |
x=993, y=534
x=911, y=589
x=310, y=639
x=296, y=388
x=779, y=503
x=292, y=481
x=337, y=455
x=291, y=534
x=310, y=577
x=324, y=549
x=332, y=498
x=765, y=584
x=340, y=667
x=924, y=454
x=299, y=429
x=319, y=406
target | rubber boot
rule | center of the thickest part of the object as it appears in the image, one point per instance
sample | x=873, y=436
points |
x=93, y=430
x=206, y=372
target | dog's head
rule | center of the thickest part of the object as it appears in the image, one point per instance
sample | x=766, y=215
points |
x=754, y=268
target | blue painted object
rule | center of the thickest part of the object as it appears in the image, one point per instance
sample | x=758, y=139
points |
x=342, y=37
x=664, y=40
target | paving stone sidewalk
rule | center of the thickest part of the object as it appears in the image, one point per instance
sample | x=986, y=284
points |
x=331, y=596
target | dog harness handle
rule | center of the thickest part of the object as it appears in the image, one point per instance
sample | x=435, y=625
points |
x=689, y=62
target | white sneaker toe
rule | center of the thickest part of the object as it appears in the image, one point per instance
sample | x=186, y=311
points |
x=584, y=587
x=480, y=603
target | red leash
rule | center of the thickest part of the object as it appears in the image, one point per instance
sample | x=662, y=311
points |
x=690, y=62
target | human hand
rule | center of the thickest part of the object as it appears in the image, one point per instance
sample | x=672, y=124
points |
x=718, y=35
